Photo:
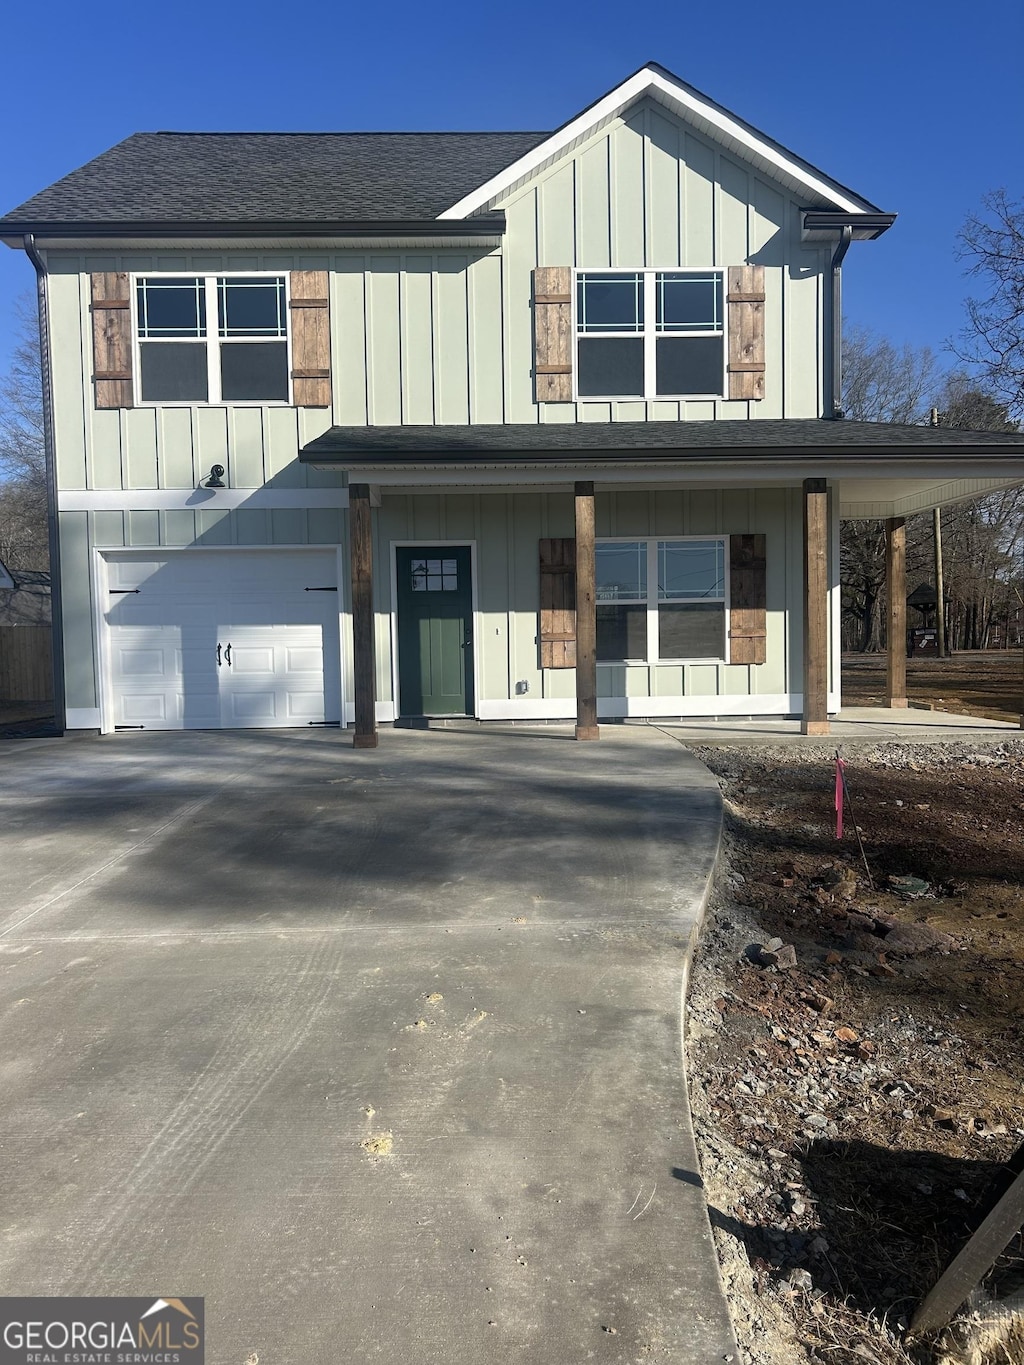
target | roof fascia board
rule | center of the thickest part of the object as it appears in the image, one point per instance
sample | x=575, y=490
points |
x=487, y=229
x=681, y=99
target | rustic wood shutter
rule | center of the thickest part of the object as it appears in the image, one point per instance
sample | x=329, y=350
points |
x=112, y=339
x=558, y=603
x=311, y=339
x=552, y=333
x=747, y=600
x=746, y=331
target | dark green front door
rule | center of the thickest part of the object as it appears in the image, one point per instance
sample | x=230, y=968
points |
x=435, y=631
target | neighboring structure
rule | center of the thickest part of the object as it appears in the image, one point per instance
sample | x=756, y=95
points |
x=576, y=391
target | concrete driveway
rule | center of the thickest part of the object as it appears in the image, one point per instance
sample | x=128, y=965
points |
x=379, y=1052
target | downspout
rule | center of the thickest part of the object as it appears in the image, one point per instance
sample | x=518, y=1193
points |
x=842, y=246
x=57, y=628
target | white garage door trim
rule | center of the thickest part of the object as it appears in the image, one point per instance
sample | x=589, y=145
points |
x=104, y=556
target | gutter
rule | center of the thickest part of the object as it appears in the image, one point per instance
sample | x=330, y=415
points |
x=486, y=225
x=56, y=610
x=842, y=247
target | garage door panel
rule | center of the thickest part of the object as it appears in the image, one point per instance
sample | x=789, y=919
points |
x=284, y=666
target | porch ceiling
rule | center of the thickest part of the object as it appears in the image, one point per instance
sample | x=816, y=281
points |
x=879, y=469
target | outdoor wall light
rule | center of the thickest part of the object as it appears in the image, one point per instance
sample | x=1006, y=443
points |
x=216, y=479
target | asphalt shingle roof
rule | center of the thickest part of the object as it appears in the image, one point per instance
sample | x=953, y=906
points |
x=275, y=177
x=636, y=440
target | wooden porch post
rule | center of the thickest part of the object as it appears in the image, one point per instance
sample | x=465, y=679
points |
x=586, y=615
x=896, y=591
x=815, y=717
x=364, y=662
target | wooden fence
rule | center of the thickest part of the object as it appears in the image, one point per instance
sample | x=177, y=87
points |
x=25, y=667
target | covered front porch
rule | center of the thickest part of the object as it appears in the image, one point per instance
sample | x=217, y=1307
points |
x=534, y=511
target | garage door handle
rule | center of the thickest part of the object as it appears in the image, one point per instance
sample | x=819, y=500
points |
x=227, y=656
x=218, y=656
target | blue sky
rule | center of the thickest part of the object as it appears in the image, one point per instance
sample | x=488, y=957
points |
x=916, y=104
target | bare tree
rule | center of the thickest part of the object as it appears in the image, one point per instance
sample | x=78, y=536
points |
x=964, y=403
x=23, y=539
x=992, y=244
x=881, y=383
x=886, y=383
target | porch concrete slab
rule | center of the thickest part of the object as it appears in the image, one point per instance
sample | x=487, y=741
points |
x=853, y=723
x=378, y=1051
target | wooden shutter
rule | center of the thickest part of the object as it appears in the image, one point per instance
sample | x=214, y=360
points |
x=552, y=333
x=747, y=598
x=112, y=339
x=311, y=339
x=558, y=603
x=746, y=331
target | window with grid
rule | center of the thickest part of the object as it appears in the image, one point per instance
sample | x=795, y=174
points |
x=650, y=334
x=212, y=338
x=660, y=600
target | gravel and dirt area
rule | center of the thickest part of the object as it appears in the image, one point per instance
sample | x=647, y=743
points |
x=987, y=683
x=855, y=1050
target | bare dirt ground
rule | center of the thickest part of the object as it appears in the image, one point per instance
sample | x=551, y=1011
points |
x=856, y=1109
x=987, y=683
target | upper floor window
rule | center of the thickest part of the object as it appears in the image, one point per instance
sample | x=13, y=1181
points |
x=212, y=338
x=650, y=334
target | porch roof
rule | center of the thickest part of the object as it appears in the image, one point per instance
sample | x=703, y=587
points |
x=878, y=469
x=646, y=441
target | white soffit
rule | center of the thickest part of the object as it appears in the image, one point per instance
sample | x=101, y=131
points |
x=701, y=114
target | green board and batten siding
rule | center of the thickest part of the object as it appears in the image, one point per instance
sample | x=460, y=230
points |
x=506, y=530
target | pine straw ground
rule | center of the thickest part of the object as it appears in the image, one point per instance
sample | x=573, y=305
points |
x=856, y=1111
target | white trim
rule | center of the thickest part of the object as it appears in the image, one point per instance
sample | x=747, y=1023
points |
x=620, y=708
x=396, y=545
x=82, y=718
x=187, y=499
x=683, y=100
x=99, y=578
x=384, y=713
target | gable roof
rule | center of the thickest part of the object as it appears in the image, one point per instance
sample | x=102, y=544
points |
x=235, y=179
x=816, y=189
x=344, y=181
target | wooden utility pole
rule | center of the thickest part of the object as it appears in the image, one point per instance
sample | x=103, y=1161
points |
x=935, y=420
x=940, y=591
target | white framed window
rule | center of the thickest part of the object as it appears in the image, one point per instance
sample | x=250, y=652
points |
x=661, y=601
x=211, y=338
x=650, y=334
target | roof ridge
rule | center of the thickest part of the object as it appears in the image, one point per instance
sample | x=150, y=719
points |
x=348, y=132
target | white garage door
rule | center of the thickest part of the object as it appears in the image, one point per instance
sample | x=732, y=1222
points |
x=211, y=639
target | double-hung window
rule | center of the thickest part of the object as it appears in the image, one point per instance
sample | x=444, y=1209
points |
x=660, y=600
x=650, y=334
x=212, y=338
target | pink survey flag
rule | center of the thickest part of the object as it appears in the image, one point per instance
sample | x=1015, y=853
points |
x=840, y=785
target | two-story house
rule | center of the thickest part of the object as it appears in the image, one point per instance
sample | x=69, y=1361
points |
x=514, y=426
